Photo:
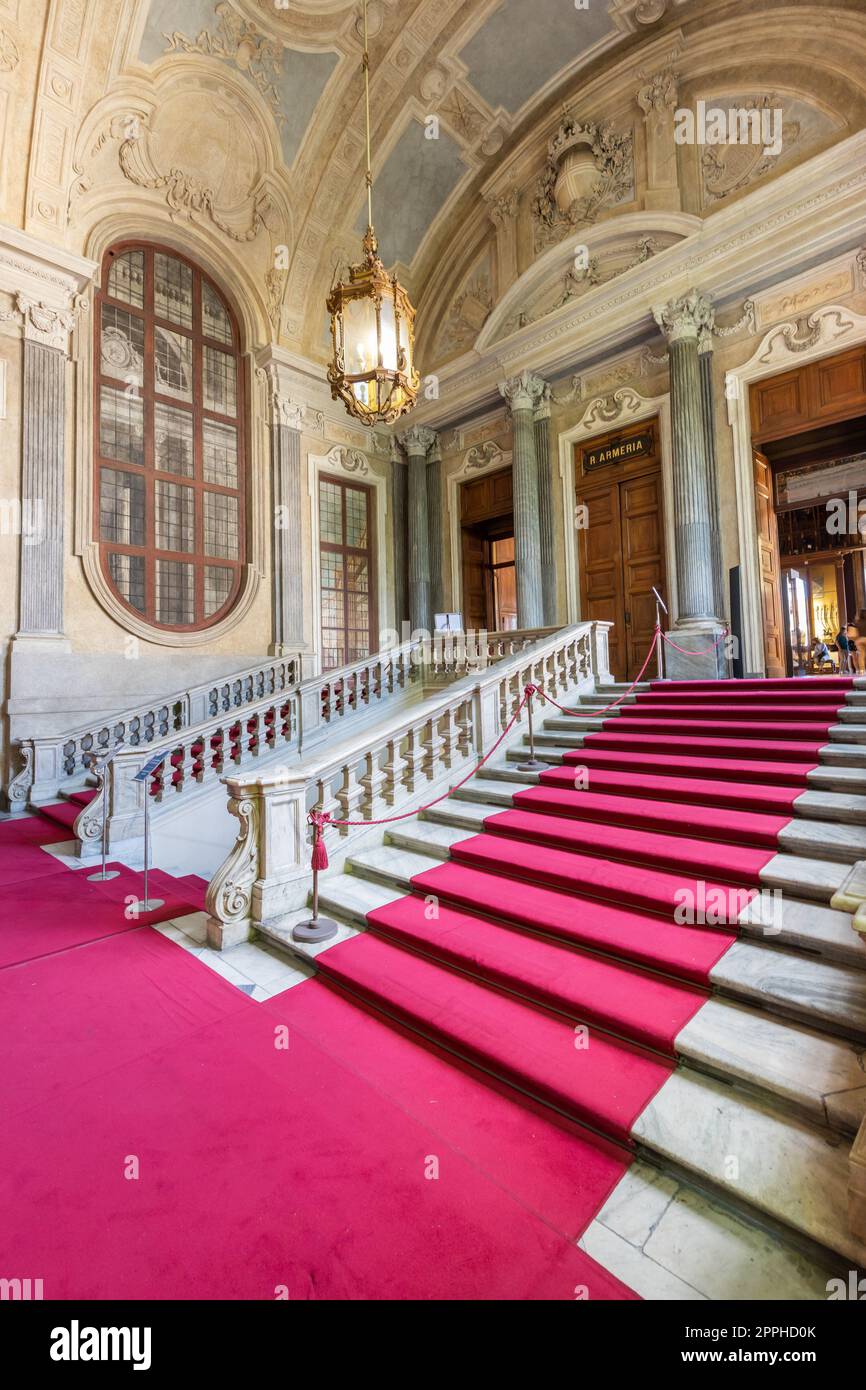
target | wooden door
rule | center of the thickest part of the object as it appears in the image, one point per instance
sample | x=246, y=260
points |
x=621, y=558
x=769, y=573
x=643, y=558
x=474, y=582
x=601, y=568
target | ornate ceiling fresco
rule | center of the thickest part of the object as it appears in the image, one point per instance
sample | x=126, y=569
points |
x=523, y=149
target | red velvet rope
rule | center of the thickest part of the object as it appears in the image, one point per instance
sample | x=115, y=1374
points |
x=319, y=819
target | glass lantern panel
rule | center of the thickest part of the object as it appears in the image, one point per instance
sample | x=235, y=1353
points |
x=361, y=349
x=389, y=334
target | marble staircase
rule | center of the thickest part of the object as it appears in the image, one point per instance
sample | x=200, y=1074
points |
x=756, y=1123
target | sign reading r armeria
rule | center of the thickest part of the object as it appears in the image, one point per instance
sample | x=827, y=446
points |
x=619, y=451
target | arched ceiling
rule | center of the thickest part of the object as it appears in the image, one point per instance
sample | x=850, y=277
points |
x=244, y=120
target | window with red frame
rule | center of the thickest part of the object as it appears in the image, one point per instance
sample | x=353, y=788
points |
x=169, y=438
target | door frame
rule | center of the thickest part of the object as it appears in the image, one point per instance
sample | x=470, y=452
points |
x=602, y=415
x=830, y=329
x=477, y=461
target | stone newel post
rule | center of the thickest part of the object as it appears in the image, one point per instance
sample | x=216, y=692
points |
x=697, y=627
x=524, y=393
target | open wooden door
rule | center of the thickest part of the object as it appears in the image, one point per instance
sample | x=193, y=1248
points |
x=770, y=569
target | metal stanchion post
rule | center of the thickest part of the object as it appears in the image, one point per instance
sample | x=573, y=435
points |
x=660, y=604
x=532, y=764
x=316, y=928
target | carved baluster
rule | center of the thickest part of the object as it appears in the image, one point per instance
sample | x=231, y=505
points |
x=464, y=728
x=433, y=741
x=414, y=756
x=448, y=727
x=374, y=782
x=350, y=796
x=327, y=803
x=395, y=770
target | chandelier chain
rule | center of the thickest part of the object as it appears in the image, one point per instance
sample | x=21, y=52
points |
x=369, y=175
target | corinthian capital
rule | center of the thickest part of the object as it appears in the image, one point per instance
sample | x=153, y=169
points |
x=503, y=207
x=418, y=439
x=523, y=392
x=685, y=317
x=658, y=93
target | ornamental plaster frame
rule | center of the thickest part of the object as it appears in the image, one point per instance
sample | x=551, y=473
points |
x=330, y=465
x=834, y=328
x=625, y=406
x=140, y=221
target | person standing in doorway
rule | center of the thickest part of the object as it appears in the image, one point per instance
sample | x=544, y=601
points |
x=847, y=649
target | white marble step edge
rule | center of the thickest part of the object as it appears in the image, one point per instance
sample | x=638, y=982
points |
x=821, y=1076
x=819, y=992
x=754, y=1148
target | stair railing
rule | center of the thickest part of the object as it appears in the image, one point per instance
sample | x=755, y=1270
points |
x=391, y=768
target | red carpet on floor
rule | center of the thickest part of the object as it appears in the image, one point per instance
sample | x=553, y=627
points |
x=460, y=1082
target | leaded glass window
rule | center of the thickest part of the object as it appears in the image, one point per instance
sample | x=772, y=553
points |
x=169, y=438
x=346, y=572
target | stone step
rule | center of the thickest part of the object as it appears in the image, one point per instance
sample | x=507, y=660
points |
x=840, y=807
x=671, y=1241
x=826, y=994
x=822, y=1076
x=847, y=733
x=824, y=839
x=839, y=754
x=803, y=877
x=833, y=777
x=757, y=1153
x=853, y=714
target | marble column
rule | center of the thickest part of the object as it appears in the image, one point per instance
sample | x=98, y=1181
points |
x=697, y=626
x=434, y=522
x=400, y=525
x=705, y=365
x=417, y=441
x=288, y=634
x=545, y=507
x=524, y=393
x=43, y=500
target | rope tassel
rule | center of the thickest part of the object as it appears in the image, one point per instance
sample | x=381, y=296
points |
x=319, y=857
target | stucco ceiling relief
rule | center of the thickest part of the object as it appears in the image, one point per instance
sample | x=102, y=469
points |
x=589, y=168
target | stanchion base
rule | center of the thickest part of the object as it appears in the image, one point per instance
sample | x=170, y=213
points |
x=101, y=877
x=317, y=929
x=534, y=765
x=150, y=904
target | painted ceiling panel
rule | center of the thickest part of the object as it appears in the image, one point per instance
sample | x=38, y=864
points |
x=522, y=45
x=416, y=179
x=289, y=81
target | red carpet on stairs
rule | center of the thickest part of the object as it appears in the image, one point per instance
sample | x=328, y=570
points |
x=460, y=1083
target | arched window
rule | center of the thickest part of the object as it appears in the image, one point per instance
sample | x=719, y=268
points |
x=169, y=438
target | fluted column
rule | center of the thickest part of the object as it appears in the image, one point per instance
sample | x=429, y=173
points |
x=524, y=393
x=705, y=366
x=545, y=507
x=43, y=465
x=697, y=626
x=400, y=523
x=417, y=441
x=434, y=526
x=288, y=537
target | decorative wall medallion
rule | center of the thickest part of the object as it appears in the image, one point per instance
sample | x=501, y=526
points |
x=185, y=193
x=604, y=409
x=726, y=168
x=469, y=312
x=589, y=167
x=9, y=55
x=350, y=460
x=650, y=11
x=487, y=455
x=805, y=332
x=239, y=42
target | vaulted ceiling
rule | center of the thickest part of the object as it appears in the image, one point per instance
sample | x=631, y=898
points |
x=242, y=120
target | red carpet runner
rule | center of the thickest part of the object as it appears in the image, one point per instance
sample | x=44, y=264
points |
x=438, y=1126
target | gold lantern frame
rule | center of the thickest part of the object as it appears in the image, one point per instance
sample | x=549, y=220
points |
x=386, y=386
